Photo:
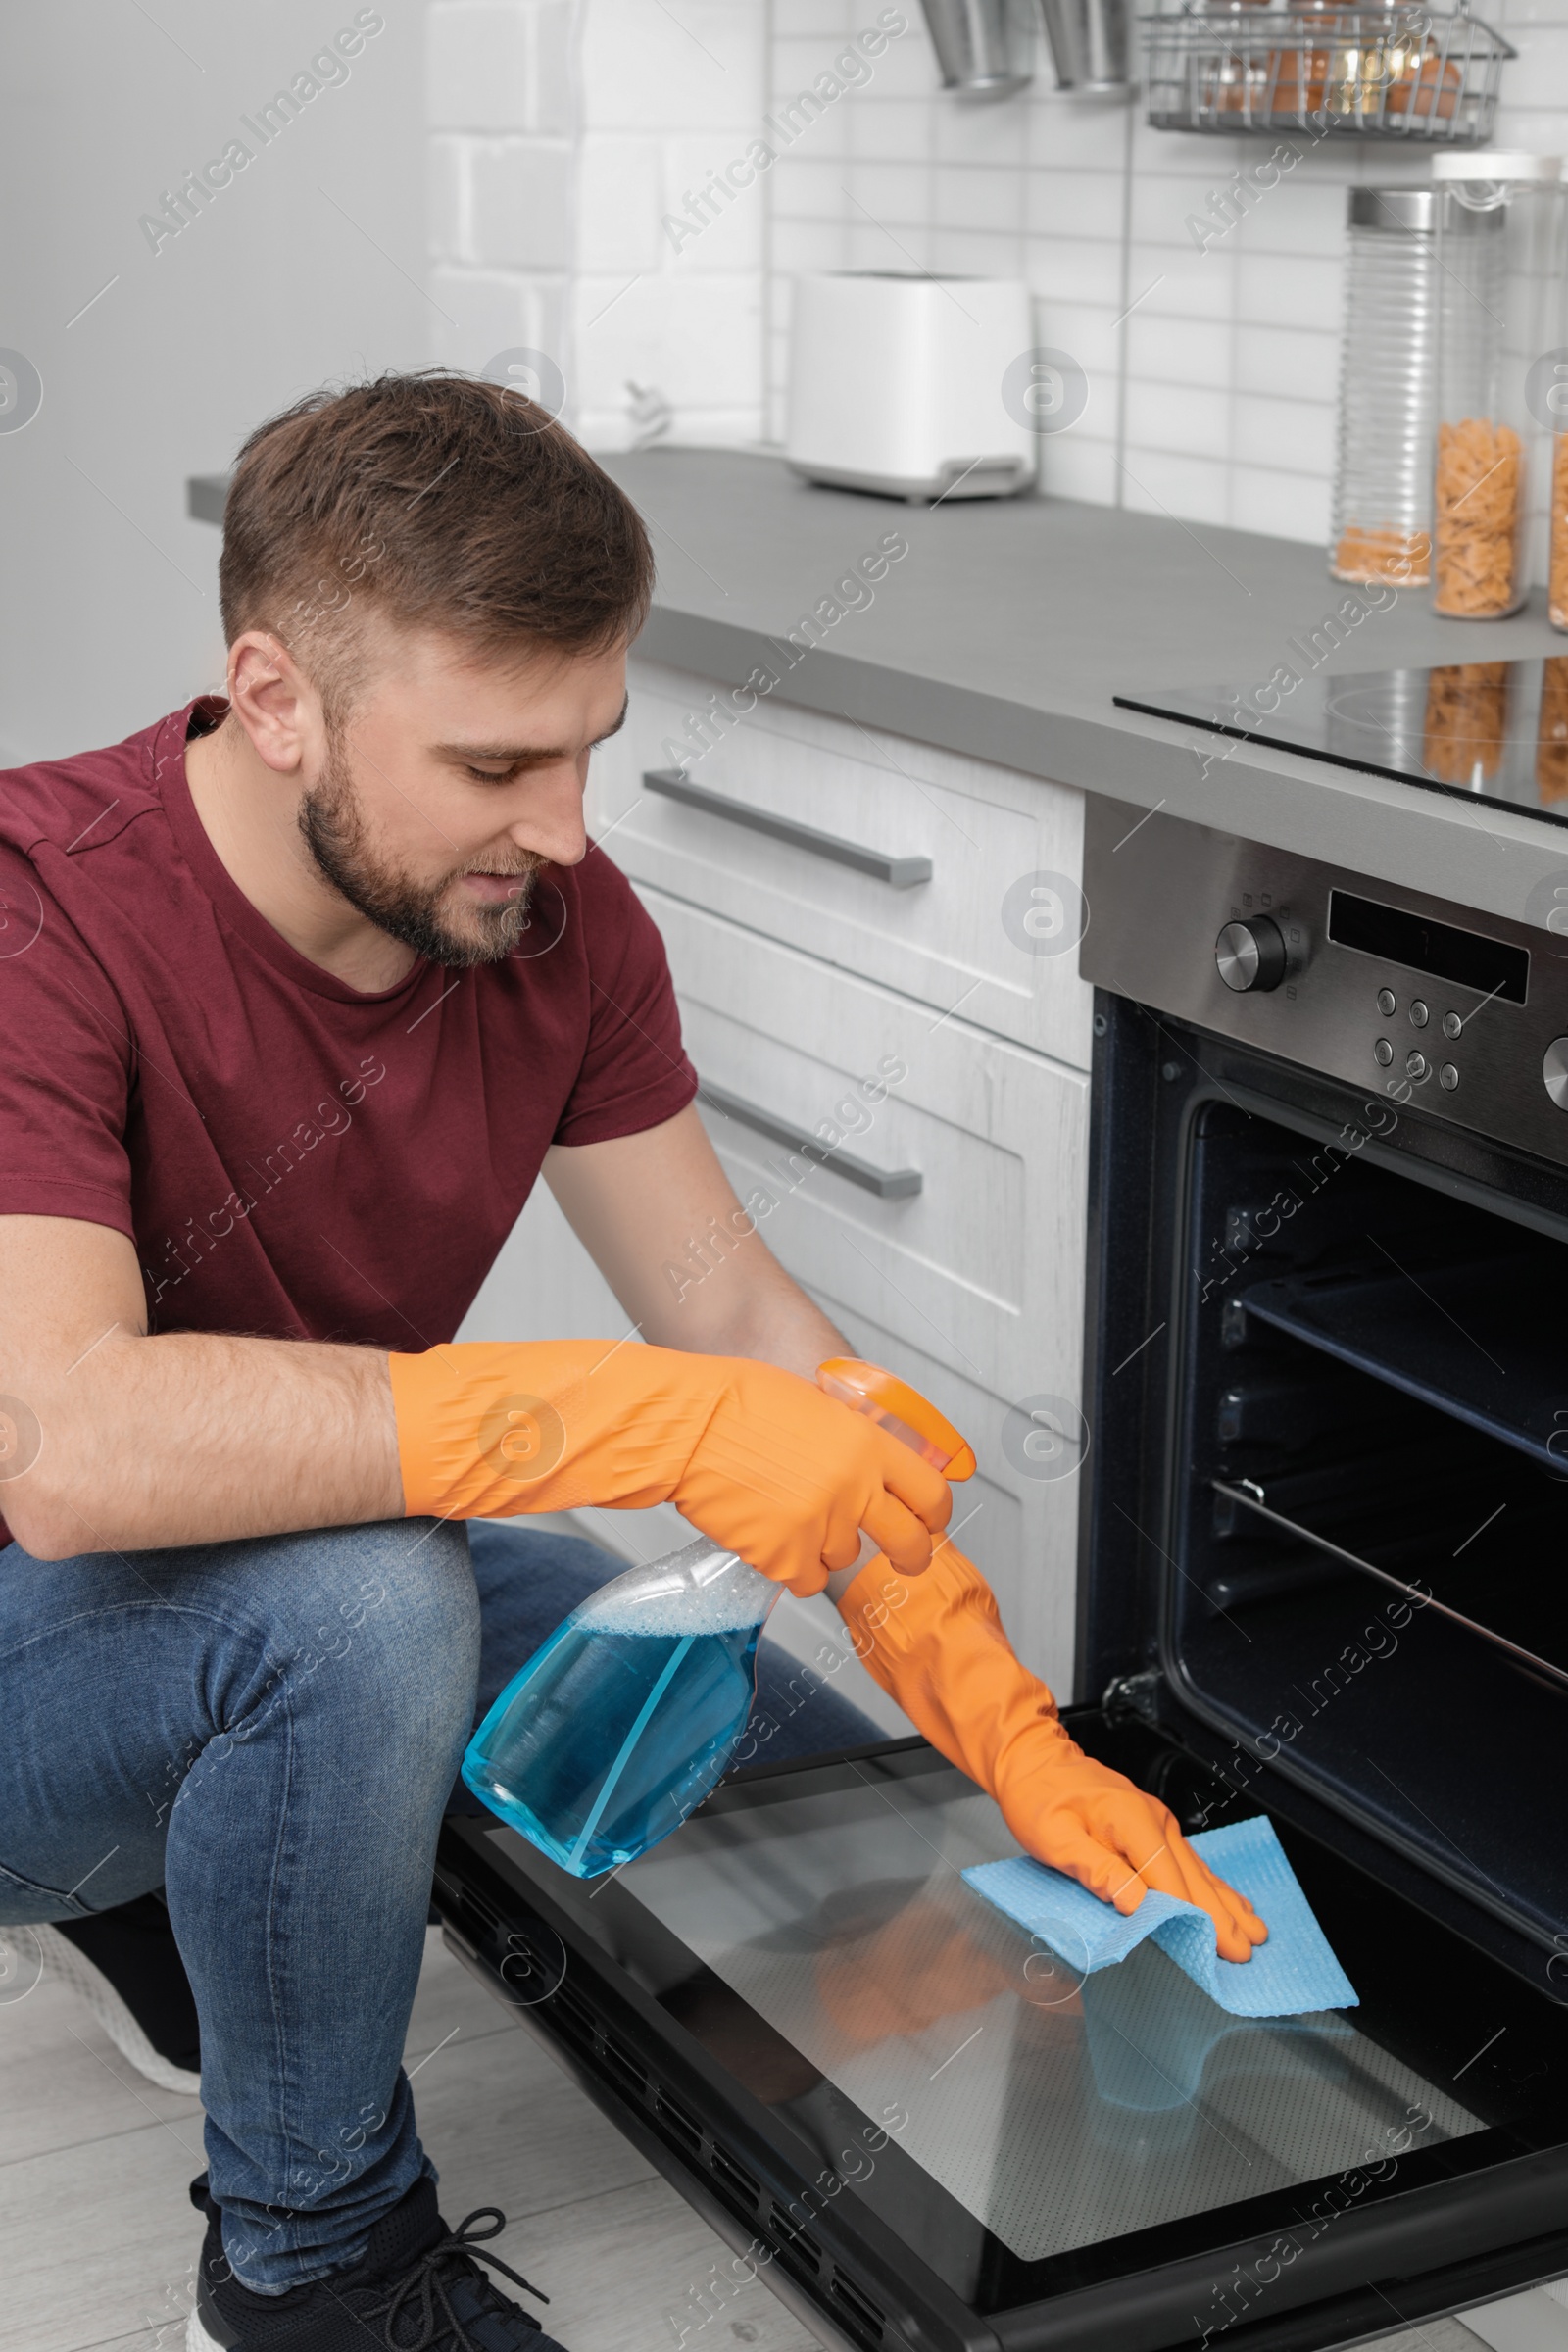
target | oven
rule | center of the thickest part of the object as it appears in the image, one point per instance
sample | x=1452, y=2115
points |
x=1324, y=1511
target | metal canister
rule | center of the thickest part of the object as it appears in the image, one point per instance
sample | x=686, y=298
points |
x=1090, y=43
x=979, y=45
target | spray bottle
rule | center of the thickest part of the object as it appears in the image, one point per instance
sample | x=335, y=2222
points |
x=628, y=1716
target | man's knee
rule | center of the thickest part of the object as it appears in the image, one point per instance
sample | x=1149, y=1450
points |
x=381, y=1619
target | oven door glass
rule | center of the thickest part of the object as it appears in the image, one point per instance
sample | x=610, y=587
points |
x=1020, y=2129
x=1057, y=2110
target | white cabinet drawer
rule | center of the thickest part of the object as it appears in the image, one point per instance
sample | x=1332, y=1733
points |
x=982, y=1266
x=990, y=932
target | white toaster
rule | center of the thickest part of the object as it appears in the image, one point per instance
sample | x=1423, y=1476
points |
x=895, y=384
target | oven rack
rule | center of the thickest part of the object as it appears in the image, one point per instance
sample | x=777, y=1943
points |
x=1450, y=1337
x=1358, y=73
x=1251, y=1497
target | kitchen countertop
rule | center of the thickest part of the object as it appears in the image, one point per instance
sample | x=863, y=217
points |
x=1006, y=630
x=1011, y=622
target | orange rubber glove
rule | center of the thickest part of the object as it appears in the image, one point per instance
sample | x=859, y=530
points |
x=935, y=1644
x=757, y=1459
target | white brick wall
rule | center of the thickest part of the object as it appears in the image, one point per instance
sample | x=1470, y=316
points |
x=503, y=109
x=563, y=132
x=668, y=97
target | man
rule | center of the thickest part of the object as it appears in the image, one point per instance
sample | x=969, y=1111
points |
x=302, y=991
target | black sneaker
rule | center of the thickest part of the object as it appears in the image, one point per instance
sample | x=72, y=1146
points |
x=126, y=1967
x=418, y=2287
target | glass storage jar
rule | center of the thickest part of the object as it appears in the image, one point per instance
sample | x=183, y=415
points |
x=1549, y=387
x=1500, y=261
x=1382, y=520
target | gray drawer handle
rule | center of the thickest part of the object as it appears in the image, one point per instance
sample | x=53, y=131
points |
x=900, y=872
x=889, y=1183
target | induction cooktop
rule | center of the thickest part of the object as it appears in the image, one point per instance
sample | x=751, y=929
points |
x=1489, y=731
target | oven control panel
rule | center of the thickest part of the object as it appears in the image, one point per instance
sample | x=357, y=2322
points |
x=1461, y=1014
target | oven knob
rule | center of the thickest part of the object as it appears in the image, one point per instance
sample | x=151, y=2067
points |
x=1252, y=954
x=1554, y=1071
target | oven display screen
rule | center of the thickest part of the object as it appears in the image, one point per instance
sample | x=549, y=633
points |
x=1489, y=966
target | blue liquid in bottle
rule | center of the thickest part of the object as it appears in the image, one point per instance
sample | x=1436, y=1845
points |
x=625, y=1719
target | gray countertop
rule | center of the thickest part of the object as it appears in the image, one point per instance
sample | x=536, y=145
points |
x=1009, y=624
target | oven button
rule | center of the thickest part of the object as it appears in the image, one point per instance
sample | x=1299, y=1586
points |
x=1452, y=1024
x=1388, y=1003
x=1419, y=1015
x=1384, y=1051
x=1447, y=1077
x=1415, y=1065
x=1554, y=1071
x=1251, y=954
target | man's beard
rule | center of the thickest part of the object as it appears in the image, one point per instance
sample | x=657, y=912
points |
x=332, y=824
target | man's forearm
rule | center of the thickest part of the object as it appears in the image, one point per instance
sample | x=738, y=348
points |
x=772, y=1320
x=191, y=1438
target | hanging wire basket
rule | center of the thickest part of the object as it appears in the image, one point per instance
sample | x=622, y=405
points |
x=1357, y=72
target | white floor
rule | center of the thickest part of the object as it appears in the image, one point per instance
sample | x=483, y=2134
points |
x=98, y=2241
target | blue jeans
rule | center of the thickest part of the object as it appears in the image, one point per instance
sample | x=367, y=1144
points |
x=269, y=1732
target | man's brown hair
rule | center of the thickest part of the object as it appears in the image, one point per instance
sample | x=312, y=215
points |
x=440, y=501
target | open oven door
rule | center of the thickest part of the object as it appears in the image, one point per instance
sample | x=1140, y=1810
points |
x=925, y=2129
x=929, y=2132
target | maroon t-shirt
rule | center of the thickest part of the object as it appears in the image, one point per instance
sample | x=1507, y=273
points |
x=293, y=1156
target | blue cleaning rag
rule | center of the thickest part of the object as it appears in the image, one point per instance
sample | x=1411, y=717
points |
x=1294, y=1972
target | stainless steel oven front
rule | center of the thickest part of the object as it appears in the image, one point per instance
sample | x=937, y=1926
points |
x=1327, y=1389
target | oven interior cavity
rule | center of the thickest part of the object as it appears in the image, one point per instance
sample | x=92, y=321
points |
x=1371, y=1523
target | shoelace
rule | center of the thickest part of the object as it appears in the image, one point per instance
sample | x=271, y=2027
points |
x=439, y=2323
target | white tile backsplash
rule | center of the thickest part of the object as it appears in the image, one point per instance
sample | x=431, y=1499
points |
x=1289, y=505
x=1090, y=332
x=1286, y=360
x=898, y=193
x=1174, y=418
x=1213, y=358
x=970, y=253
x=1166, y=281
x=1073, y=204
x=1155, y=481
x=982, y=197
x=1225, y=371
x=1062, y=269
x=808, y=188
x=1304, y=291
x=1179, y=351
x=1296, y=436
x=990, y=134
x=896, y=131
x=1074, y=467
